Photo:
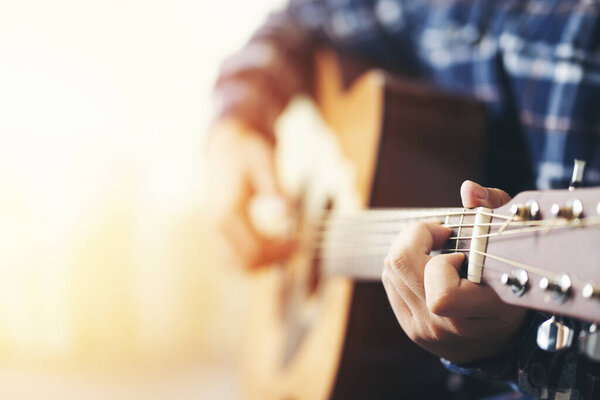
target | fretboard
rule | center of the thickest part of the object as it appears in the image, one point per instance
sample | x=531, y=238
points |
x=355, y=244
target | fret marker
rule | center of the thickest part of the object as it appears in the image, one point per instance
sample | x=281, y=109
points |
x=479, y=244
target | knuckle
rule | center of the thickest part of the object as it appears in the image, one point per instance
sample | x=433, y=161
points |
x=401, y=262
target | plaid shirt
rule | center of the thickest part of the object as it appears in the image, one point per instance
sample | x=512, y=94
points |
x=535, y=64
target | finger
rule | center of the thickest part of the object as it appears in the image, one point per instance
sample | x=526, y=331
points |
x=447, y=295
x=475, y=195
x=421, y=238
x=410, y=252
x=249, y=246
x=399, y=272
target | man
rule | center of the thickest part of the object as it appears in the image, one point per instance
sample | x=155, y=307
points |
x=535, y=66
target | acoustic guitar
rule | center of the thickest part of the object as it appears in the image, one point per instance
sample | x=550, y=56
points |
x=321, y=326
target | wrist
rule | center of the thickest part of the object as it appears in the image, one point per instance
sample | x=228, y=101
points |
x=502, y=363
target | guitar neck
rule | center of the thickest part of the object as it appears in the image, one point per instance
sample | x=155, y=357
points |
x=355, y=245
x=539, y=251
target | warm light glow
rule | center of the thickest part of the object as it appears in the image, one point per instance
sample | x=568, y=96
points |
x=103, y=257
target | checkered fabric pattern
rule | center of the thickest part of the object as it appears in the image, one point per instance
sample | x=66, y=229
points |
x=535, y=64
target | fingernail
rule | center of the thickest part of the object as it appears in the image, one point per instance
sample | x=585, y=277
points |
x=480, y=192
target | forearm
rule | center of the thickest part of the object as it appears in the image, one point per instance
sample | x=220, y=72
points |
x=256, y=83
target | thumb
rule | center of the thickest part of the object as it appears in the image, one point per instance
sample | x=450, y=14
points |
x=475, y=195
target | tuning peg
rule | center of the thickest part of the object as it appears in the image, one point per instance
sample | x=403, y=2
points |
x=577, y=178
x=571, y=210
x=517, y=280
x=553, y=336
x=590, y=291
x=560, y=287
x=589, y=342
x=526, y=211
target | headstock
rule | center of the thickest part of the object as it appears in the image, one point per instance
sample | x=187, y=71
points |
x=543, y=252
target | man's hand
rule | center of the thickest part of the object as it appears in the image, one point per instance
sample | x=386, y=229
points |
x=240, y=168
x=450, y=317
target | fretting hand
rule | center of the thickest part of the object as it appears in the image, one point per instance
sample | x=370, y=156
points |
x=450, y=317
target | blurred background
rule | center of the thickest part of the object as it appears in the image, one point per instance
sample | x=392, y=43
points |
x=108, y=287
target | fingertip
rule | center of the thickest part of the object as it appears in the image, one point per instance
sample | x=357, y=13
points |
x=464, y=193
x=456, y=259
x=439, y=234
x=473, y=194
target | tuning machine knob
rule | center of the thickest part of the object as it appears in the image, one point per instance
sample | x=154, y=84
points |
x=589, y=342
x=577, y=177
x=517, y=280
x=553, y=335
x=590, y=291
x=526, y=211
x=572, y=210
x=561, y=287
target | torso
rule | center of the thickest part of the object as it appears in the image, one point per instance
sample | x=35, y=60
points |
x=535, y=64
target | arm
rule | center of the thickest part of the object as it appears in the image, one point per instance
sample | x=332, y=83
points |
x=254, y=86
x=256, y=83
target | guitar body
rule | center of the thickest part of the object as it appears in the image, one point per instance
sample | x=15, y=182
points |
x=385, y=143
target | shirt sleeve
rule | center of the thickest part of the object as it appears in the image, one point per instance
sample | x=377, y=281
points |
x=537, y=373
x=257, y=82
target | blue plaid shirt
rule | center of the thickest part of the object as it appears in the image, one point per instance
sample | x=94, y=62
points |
x=535, y=64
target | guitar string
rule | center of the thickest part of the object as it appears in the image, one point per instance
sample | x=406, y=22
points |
x=541, y=225
x=534, y=270
x=541, y=272
x=357, y=243
x=362, y=227
x=392, y=230
x=356, y=217
x=323, y=226
x=576, y=283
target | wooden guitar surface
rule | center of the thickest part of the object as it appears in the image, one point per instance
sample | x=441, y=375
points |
x=316, y=337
